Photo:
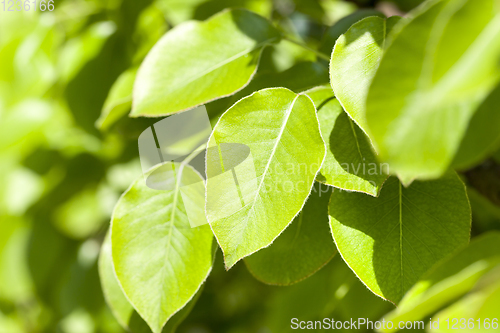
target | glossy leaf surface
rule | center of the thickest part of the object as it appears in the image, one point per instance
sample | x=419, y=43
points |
x=120, y=306
x=251, y=203
x=355, y=60
x=197, y=62
x=430, y=83
x=350, y=161
x=160, y=261
x=392, y=240
x=449, y=280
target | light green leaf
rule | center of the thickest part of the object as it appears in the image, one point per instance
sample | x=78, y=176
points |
x=160, y=261
x=197, y=62
x=121, y=307
x=430, y=82
x=449, y=280
x=119, y=100
x=483, y=134
x=478, y=309
x=302, y=249
x=341, y=26
x=392, y=240
x=355, y=60
x=350, y=161
x=249, y=206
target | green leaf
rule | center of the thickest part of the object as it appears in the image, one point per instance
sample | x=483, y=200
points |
x=160, y=261
x=429, y=84
x=392, y=240
x=449, y=280
x=302, y=249
x=341, y=26
x=479, y=307
x=350, y=161
x=121, y=307
x=197, y=62
x=119, y=100
x=355, y=60
x=482, y=137
x=281, y=130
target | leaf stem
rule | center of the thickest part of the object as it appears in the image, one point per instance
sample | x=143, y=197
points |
x=319, y=54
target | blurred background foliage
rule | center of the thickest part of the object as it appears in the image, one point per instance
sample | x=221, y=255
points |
x=63, y=167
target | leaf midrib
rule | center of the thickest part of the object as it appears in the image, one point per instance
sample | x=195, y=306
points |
x=169, y=239
x=263, y=176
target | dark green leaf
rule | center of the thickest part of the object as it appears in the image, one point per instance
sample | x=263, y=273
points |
x=303, y=248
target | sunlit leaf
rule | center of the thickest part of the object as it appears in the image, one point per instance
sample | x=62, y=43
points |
x=286, y=150
x=477, y=311
x=430, y=83
x=121, y=307
x=341, y=26
x=355, y=60
x=449, y=280
x=350, y=161
x=392, y=240
x=197, y=62
x=159, y=260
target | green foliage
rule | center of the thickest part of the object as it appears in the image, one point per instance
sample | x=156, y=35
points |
x=152, y=247
x=337, y=126
x=119, y=304
x=440, y=85
x=286, y=153
x=219, y=58
x=341, y=26
x=355, y=59
x=480, y=307
x=450, y=279
x=350, y=162
x=390, y=241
